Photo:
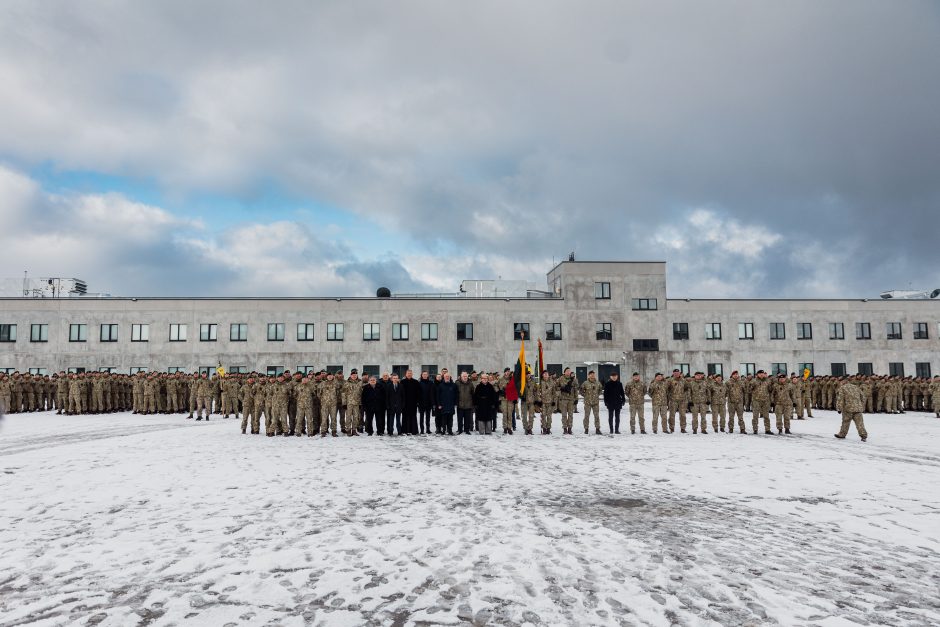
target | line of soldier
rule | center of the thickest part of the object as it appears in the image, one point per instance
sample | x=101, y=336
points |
x=324, y=400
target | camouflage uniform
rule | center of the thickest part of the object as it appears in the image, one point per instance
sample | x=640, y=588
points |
x=279, y=397
x=635, y=392
x=718, y=399
x=591, y=391
x=329, y=396
x=527, y=404
x=760, y=399
x=782, y=398
x=6, y=394
x=849, y=403
x=659, y=392
x=934, y=393
x=567, y=388
x=247, y=393
x=203, y=393
x=734, y=390
x=678, y=392
x=61, y=394
x=352, y=399
x=698, y=393
x=545, y=402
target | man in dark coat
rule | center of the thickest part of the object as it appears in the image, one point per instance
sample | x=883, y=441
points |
x=394, y=404
x=486, y=399
x=373, y=403
x=411, y=391
x=446, y=404
x=614, y=398
x=426, y=402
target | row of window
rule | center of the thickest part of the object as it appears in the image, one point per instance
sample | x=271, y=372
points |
x=371, y=332
x=836, y=369
x=804, y=331
x=602, y=292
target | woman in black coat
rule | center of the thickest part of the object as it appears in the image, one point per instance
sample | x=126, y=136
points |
x=614, y=399
x=485, y=399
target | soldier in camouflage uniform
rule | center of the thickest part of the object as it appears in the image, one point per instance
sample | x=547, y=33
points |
x=782, y=397
x=247, y=393
x=6, y=393
x=760, y=399
x=635, y=392
x=591, y=391
x=61, y=393
x=203, y=392
x=279, y=398
x=718, y=399
x=735, y=393
x=934, y=395
x=678, y=392
x=527, y=403
x=659, y=393
x=849, y=403
x=329, y=397
x=698, y=394
x=352, y=399
x=566, y=399
x=545, y=401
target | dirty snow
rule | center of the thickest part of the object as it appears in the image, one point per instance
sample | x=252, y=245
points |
x=157, y=520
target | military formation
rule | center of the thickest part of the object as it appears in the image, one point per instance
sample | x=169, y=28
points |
x=329, y=404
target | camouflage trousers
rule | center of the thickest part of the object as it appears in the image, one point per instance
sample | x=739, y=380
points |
x=637, y=416
x=202, y=408
x=5, y=402
x=761, y=410
x=566, y=408
x=249, y=412
x=848, y=418
x=506, y=408
x=150, y=403
x=61, y=401
x=303, y=421
x=329, y=417
x=229, y=405
x=592, y=408
x=76, y=404
x=527, y=414
x=256, y=414
x=545, y=417
x=719, y=411
x=891, y=403
x=277, y=422
x=677, y=407
x=782, y=414
x=698, y=418
x=353, y=418
x=660, y=417
x=172, y=404
x=736, y=410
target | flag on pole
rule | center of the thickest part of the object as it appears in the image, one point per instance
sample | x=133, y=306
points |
x=806, y=374
x=519, y=375
x=541, y=360
x=219, y=369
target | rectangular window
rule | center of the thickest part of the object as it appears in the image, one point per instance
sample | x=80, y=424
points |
x=800, y=368
x=747, y=369
x=136, y=369
x=745, y=330
x=399, y=331
x=865, y=368
x=553, y=331
x=206, y=370
x=428, y=331
x=305, y=332
x=178, y=332
x=42, y=371
x=275, y=371
x=684, y=369
x=778, y=368
x=400, y=370
x=602, y=291
x=920, y=331
x=836, y=331
x=520, y=331
x=714, y=369
x=713, y=331
x=140, y=333
x=238, y=332
x=109, y=333
x=643, y=304
x=335, y=368
x=896, y=369
x=334, y=332
x=645, y=345
x=39, y=333
x=778, y=331
x=804, y=330
x=556, y=370
x=237, y=370
x=862, y=331
x=370, y=332
x=894, y=330
x=7, y=332
x=837, y=369
x=275, y=332
x=431, y=369
x=78, y=333
x=468, y=368
x=208, y=332
x=680, y=330
x=174, y=369
x=604, y=331
x=922, y=369
x=465, y=331
x=370, y=371
x=306, y=369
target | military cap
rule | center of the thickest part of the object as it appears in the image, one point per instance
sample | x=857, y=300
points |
x=354, y=371
x=635, y=374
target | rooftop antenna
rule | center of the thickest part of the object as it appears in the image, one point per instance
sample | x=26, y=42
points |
x=571, y=256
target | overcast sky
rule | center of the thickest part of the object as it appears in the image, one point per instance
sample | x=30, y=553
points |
x=326, y=148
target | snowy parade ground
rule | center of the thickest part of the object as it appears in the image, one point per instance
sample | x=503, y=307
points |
x=158, y=520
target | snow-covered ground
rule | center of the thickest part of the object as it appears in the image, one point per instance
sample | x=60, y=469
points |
x=156, y=520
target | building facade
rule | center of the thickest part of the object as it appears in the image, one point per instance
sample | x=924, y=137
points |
x=599, y=316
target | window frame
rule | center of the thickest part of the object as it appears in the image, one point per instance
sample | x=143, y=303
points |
x=644, y=304
x=113, y=332
x=747, y=368
x=239, y=337
x=746, y=327
x=775, y=370
x=899, y=335
x=602, y=288
x=604, y=328
x=837, y=331
x=923, y=373
x=335, y=331
x=775, y=334
x=10, y=333
x=553, y=332
x=142, y=330
x=426, y=334
x=863, y=331
x=182, y=332
x=375, y=332
x=921, y=330
x=521, y=331
x=710, y=330
x=680, y=331
x=801, y=328
x=832, y=369
x=280, y=331
x=82, y=332
x=309, y=331
x=211, y=331
x=43, y=332
x=646, y=345
x=467, y=326
x=402, y=326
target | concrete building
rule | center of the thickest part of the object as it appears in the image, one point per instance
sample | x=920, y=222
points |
x=591, y=316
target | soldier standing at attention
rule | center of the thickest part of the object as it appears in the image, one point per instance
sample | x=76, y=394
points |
x=591, y=391
x=527, y=403
x=61, y=393
x=6, y=393
x=718, y=399
x=247, y=393
x=933, y=393
x=567, y=388
x=328, y=393
x=698, y=393
x=782, y=397
x=352, y=399
x=849, y=403
x=760, y=399
x=636, y=394
x=677, y=393
x=735, y=393
x=545, y=402
x=508, y=397
x=203, y=392
x=659, y=393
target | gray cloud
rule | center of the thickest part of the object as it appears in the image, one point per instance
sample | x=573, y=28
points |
x=501, y=132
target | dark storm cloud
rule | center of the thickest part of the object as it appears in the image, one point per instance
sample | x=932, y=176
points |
x=500, y=131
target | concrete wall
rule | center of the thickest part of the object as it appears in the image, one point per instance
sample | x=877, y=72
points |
x=493, y=346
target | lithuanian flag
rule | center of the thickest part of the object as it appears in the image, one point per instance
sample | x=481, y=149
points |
x=519, y=376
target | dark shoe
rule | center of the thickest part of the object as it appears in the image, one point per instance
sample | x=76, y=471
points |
x=585, y=431
x=841, y=437
x=683, y=431
x=865, y=439
x=704, y=432
x=199, y=418
x=642, y=432
x=768, y=432
x=617, y=431
x=243, y=432
x=787, y=431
